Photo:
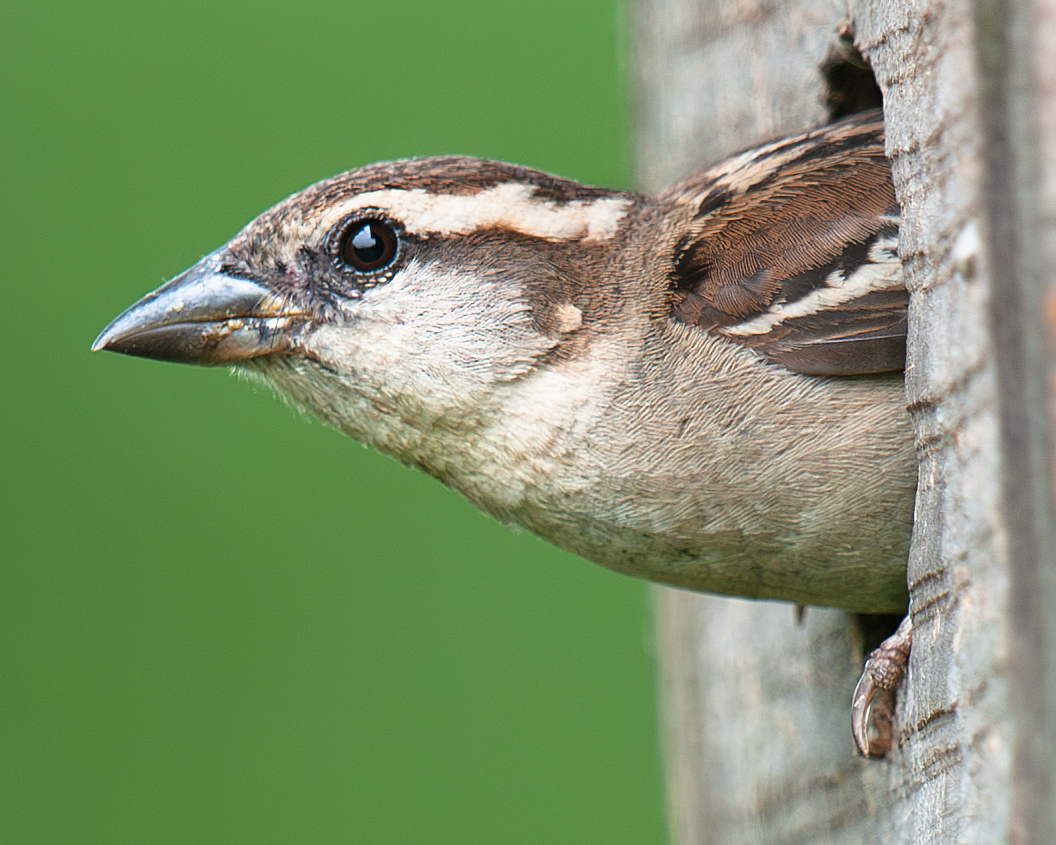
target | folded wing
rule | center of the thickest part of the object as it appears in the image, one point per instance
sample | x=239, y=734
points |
x=791, y=249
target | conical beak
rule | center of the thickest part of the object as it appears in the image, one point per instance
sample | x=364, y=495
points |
x=204, y=316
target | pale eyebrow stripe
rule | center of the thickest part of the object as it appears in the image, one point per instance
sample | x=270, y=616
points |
x=508, y=205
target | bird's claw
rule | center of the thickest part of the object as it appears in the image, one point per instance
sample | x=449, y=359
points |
x=873, y=704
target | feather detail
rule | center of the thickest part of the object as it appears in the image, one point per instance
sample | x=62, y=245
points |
x=791, y=249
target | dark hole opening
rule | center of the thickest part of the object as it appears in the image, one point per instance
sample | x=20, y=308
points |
x=850, y=86
x=876, y=628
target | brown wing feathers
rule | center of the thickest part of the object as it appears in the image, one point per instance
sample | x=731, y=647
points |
x=791, y=250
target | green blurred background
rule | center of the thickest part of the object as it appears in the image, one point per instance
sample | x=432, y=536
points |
x=220, y=621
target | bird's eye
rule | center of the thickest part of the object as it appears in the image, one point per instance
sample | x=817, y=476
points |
x=369, y=245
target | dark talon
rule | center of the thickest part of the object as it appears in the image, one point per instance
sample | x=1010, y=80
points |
x=873, y=704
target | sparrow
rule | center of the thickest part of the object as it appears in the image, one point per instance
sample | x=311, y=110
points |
x=703, y=388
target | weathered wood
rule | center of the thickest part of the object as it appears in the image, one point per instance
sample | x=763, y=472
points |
x=757, y=706
x=1042, y=67
x=955, y=745
x=1009, y=56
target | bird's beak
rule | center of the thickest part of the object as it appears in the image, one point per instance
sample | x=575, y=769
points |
x=204, y=316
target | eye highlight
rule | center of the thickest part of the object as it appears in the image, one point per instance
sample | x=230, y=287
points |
x=368, y=245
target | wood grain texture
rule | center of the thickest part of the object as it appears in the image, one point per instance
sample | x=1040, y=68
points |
x=1014, y=236
x=757, y=735
x=756, y=707
x=956, y=738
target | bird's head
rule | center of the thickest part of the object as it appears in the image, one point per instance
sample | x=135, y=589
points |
x=399, y=297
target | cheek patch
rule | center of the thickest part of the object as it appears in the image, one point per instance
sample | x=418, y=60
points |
x=567, y=318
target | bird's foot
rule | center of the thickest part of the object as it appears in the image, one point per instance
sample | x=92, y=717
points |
x=873, y=705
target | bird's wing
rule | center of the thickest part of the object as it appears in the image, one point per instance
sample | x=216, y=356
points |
x=791, y=250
